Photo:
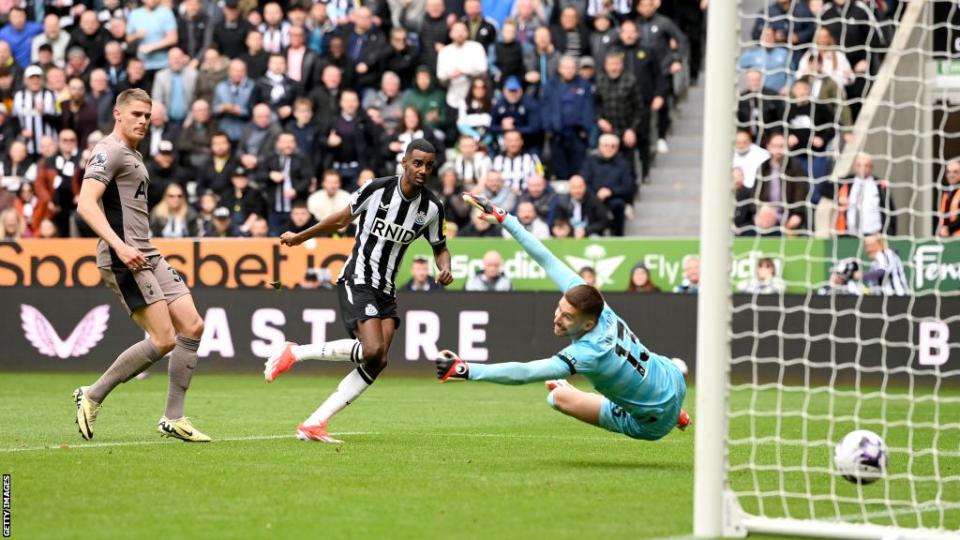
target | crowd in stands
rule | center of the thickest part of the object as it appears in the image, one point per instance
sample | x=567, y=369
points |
x=803, y=85
x=266, y=115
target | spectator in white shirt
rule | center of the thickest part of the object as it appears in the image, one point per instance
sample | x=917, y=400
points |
x=329, y=198
x=458, y=62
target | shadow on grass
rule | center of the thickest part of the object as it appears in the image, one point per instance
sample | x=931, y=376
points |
x=623, y=465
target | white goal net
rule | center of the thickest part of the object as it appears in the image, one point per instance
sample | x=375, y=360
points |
x=844, y=176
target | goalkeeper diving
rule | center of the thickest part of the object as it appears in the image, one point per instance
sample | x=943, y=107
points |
x=641, y=392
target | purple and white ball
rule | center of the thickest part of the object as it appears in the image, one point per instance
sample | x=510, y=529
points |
x=861, y=457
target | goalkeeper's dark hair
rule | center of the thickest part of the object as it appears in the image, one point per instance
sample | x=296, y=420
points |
x=420, y=144
x=585, y=299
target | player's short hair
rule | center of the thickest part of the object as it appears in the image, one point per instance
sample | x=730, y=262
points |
x=585, y=299
x=133, y=94
x=422, y=145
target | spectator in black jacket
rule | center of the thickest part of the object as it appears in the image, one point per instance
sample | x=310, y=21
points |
x=275, y=88
x=645, y=63
x=214, y=173
x=285, y=177
x=587, y=215
x=544, y=199
x=194, y=30
x=433, y=32
x=366, y=48
x=245, y=203
x=620, y=108
x=480, y=29
x=610, y=177
x=810, y=128
x=345, y=141
x=759, y=108
x=230, y=33
x=661, y=35
x=91, y=37
x=401, y=58
x=570, y=36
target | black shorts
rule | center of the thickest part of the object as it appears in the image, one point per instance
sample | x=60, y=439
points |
x=362, y=302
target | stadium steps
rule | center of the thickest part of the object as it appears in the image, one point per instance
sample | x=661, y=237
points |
x=669, y=204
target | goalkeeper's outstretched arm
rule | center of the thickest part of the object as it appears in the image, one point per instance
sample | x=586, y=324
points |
x=450, y=366
x=560, y=273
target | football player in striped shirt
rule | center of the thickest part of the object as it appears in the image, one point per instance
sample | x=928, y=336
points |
x=393, y=212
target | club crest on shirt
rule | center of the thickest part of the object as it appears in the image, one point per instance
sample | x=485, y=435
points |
x=420, y=218
x=98, y=162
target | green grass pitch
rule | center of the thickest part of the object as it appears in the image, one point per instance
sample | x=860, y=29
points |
x=421, y=460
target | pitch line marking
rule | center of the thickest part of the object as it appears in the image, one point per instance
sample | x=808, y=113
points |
x=67, y=446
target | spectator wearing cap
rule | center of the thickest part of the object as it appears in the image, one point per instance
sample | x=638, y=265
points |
x=222, y=225
x=427, y=98
x=569, y=117
x=245, y=202
x=303, y=65
x=53, y=36
x=587, y=70
x=194, y=140
x=330, y=198
x=517, y=111
x=275, y=88
x=509, y=57
x=36, y=110
x=420, y=278
x=230, y=33
x=79, y=113
x=164, y=170
x=285, y=176
x=19, y=33
x=174, y=86
x=215, y=171
x=231, y=100
x=154, y=27
x=611, y=178
x=459, y=62
x=479, y=29
x=602, y=37
x=194, y=30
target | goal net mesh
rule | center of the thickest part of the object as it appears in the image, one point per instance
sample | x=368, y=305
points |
x=827, y=344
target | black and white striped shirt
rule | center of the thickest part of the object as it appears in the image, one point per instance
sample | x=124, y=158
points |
x=35, y=110
x=388, y=224
x=515, y=170
x=894, y=280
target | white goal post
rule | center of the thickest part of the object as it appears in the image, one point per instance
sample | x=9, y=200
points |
x=781, y=378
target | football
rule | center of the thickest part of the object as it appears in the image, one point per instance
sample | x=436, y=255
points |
x=861, y=457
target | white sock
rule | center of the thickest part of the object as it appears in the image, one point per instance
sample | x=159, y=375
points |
x=339, y=350
x=347, y=391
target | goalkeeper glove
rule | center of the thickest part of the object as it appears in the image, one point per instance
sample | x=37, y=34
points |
x=450, y=366
x=489, y=212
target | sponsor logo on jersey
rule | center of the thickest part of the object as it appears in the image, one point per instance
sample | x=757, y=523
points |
x=391, y=231
x=85, y=336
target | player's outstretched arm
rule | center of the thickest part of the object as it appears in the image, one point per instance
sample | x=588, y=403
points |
x=330, y=224
x=450, y=366
x=560, y=273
